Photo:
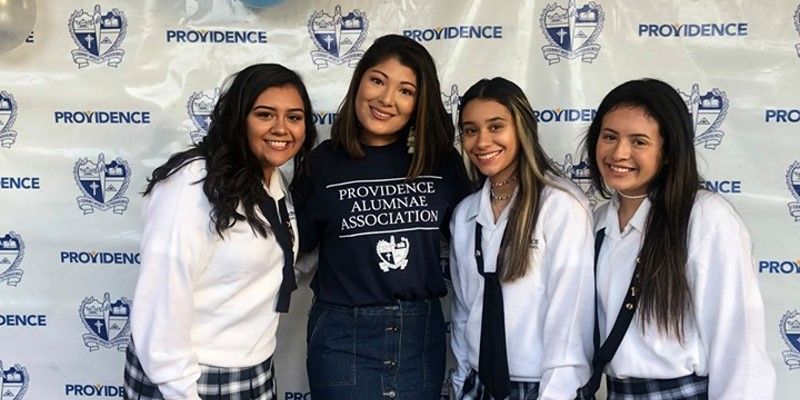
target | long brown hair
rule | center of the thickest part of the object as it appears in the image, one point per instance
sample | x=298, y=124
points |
x=433, y=128
x=532, y=164
x=666, y=298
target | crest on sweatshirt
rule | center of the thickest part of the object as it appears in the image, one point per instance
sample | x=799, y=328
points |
x=13, y=382
x=108, y=322
x=393, y=253
x=790, y=333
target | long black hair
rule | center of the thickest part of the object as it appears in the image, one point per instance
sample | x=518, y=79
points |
x=532, y=165
x=666, y=298
x=433, y=127
x=233, y=172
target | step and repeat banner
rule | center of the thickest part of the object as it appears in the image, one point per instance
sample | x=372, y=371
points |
x=100, y=93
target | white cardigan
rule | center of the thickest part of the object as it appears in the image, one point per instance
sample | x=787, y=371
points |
x=201, y=299
x=724, y=332
x=549, y=315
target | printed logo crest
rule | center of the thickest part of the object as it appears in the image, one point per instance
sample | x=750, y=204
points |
x=797, y=26
x=793, y=182
x=707, y=112
x=571, y=32
x=12, y=250
x=790, y=332
x=393, y=254
x=452, y=101
x=8, y=114
x=107, y=322
x=97, y=36
x=13, y=382
x=199, y=107
x=338, y=38
x=103, y=185
x=580, y=175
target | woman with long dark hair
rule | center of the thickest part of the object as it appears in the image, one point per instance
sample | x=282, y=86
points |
x=218, y=247
x=520, y=259
x=673, y=261
x=376, y=201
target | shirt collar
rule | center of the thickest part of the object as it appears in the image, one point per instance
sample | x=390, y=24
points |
x=610, y=221
x=277, y=187
x=481, y=208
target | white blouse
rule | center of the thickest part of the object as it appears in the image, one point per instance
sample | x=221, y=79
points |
x=201, y=299
x=549, y=314
x=724, y=332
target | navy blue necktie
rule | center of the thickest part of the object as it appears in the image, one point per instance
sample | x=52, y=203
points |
x=282, y=229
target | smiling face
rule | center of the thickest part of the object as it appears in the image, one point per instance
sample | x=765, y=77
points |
x=276, y=127
x=629, y=150
x=386, y=98
x=489, y=137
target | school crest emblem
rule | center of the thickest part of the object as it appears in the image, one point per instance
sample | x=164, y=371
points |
x=12, y=250
x=797, y=27
x=793, y=182
x=571, y=32
x=790, y=332
x=393, y=253
x=199, y=107
x=452, y=101
x=338, y=37
x=13, y=382
x=8, y=114
x=98, y=36
x=103, y=184
x=580, y=175
x=707, y=111
x=108, y=322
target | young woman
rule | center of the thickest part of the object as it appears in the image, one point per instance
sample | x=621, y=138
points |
x=676, y=257
x=218, y=248
x=377, y=199
x=521, y=260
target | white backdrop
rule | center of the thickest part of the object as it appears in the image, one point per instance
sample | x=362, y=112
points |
x=99, y=95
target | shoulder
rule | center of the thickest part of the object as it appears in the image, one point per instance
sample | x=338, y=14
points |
x=466, y=207
x=711, y=209
x=562, y=194
x=185, y=185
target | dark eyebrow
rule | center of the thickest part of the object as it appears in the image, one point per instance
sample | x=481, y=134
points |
x=274, y=109
x=387, y=77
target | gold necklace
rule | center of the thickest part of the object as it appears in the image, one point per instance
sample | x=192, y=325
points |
x=506, y=182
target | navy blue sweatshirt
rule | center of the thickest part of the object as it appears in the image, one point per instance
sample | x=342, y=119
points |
x=378, y=233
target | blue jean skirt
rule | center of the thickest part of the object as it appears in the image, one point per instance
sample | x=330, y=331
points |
x=394, y=351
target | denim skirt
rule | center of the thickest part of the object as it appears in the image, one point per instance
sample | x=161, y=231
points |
x=394, y=351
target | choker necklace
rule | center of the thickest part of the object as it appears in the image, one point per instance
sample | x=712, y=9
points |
x=641, y=196
x=495, y=196
x=506, y=182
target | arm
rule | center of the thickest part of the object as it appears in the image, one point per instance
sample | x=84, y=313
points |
x=458, y=320
x=728, y=309
x=569, y=319
x=174, y=249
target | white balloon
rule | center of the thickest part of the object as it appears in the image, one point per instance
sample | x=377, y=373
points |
x=17, y=18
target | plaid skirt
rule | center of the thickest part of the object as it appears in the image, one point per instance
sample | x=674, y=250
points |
x=474, y=390
x=690, y=387
x=215, y=383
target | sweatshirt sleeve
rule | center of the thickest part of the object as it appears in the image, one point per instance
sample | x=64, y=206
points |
x=728, y=308
x=175, y=248
x=569, y=319
x=458, y=318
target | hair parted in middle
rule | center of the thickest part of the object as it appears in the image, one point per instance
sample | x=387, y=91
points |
x=532, y=165
x=433, y=127
x=666, y=298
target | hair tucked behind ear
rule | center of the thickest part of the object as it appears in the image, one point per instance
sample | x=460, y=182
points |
x=233, y=173
x=666, y=297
